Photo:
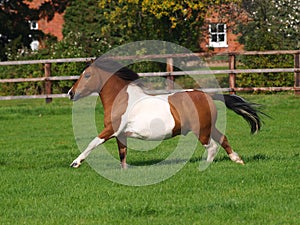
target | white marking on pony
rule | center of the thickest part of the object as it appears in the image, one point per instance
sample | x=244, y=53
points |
x=212, y=149
x=69, y=93
x=93, y=144
x=147, y=117
x=236, y=158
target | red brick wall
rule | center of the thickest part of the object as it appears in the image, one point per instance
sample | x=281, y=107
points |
x=232, y=39
x=54, y=26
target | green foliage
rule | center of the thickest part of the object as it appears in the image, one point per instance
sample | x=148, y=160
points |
x=15, y=39
x=24, y=88
x=70, y=47
x=15, y=31
x=272, y=25
x=81, y=39
x=83, y=23
x=266, y=79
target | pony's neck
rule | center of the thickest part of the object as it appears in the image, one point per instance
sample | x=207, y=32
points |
x=111, y=90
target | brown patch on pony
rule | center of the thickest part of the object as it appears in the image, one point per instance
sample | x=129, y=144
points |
x=189, y=115
x=114, y=98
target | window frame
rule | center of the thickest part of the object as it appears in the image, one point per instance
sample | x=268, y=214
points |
x=32, y=23
x=217, y=43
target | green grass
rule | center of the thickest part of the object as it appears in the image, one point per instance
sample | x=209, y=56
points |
x=38, y=187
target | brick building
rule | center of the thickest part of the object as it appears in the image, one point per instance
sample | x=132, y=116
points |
x=53, y=27
x=217, y=32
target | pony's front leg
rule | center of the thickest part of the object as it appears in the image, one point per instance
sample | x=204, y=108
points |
x=122, y=145
x=93, y=144
x=104, y=136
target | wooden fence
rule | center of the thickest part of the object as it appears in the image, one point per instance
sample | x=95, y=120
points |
x=170, y=73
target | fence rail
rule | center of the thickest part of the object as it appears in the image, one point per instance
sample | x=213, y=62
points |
x=232, y=71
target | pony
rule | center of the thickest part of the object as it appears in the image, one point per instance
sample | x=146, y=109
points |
x=129, y=112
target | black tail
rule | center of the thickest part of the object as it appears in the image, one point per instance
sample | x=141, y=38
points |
x=248, y=110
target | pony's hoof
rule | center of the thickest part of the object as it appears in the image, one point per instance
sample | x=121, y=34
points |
x=124, y=166
x=235, y=158
x=75, y=165
x=240, y=161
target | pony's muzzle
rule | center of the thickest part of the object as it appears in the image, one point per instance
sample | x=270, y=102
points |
x=71, y=94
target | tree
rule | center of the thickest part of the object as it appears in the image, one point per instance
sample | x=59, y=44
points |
x=83, y=23
x=15, y=32
x=272, y=24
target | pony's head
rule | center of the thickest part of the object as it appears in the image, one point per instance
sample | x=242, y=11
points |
x=94, y=77
x=87, y=84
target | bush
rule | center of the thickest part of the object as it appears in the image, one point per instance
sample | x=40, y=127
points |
x=70, y=47
x=266, y=79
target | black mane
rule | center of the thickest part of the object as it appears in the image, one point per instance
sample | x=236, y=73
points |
x=116, y=68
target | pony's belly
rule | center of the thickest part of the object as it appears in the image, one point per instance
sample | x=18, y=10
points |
x=154, y=130
x=150, y=119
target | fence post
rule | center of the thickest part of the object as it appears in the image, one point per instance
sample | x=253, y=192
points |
x=297, y=73
x=232, y=66
x=47, y=70
x=170, y=78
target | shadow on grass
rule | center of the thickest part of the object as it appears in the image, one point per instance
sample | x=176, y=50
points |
x=254, y=158
x=155, y=161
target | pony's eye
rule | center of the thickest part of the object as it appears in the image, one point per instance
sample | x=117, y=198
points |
x=87, y=76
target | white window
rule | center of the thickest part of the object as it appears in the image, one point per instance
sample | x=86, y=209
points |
x=34, y=45
x=217, y=35
x=34, y=25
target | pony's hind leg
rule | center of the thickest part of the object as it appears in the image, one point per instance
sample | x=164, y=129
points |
x=210, y=146
x=223, y=141
x=212, y=149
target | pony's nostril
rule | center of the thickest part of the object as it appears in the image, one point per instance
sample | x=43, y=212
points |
x=71, y=94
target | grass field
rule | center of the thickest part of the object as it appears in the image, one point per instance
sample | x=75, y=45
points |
x=39, y=187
